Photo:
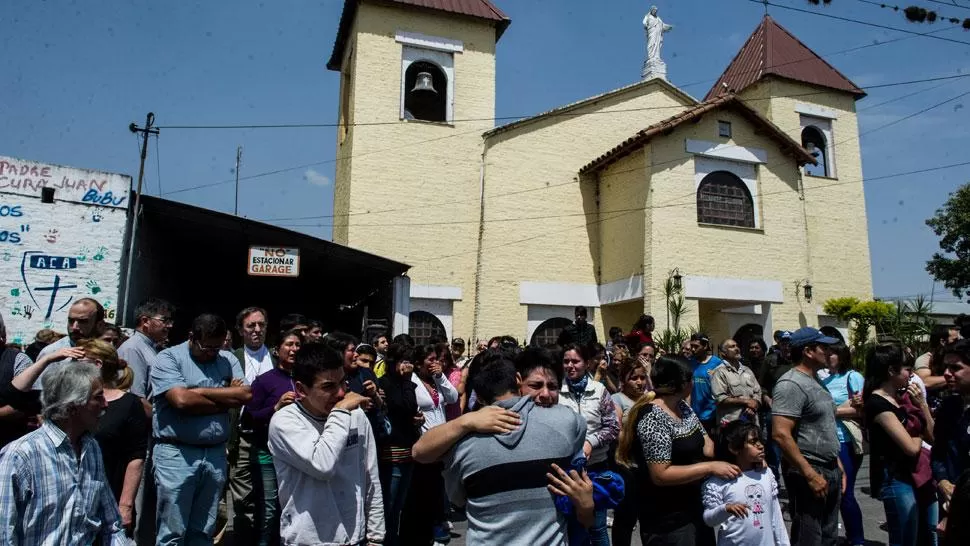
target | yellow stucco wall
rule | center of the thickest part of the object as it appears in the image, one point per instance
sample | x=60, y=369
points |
x=560, y=241
x=776, y=251
x=835, y=207
x=413, y=191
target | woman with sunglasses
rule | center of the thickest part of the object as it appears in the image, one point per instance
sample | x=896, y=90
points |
x=123, y=429
x=272, y=391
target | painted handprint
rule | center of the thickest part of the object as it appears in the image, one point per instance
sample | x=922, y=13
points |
x=28, y=312
x=52, y=235
x=100, y=254
x=97, y=215
x=93, y=286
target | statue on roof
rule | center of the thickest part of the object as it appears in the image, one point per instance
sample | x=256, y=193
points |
x=654, y=27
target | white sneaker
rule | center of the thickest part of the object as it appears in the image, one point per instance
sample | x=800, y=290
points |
x=609, y=521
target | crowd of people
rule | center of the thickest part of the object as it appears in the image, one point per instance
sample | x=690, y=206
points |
x=307, y=437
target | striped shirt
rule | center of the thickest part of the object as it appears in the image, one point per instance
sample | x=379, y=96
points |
x=49, y=496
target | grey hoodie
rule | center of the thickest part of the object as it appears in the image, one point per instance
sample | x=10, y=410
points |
x=502, y=478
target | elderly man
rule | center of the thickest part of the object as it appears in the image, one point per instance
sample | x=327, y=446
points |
x=194, y=385
x=736, y=390
x=53, y=488
x=256, y=359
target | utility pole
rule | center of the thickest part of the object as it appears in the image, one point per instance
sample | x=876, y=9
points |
x=238, y=159
x=147, y=130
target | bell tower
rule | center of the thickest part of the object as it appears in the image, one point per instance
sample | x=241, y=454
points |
x=782, y=78
x=417, y=90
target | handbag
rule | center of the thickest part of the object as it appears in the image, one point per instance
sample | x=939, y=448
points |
x=859, y=443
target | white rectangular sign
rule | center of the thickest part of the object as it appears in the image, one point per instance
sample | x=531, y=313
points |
x=265, y=261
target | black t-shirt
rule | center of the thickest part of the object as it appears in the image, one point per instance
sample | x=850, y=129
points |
x=662, y=439
x=123, y=436
x=885, y=452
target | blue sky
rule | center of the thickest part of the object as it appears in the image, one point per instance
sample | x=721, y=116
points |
x=73, y=75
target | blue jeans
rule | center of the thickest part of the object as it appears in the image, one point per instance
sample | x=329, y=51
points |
x=851, y=513
x=189, y=480
x=395, y=481
x=267, y=495
x=597, y=535
x=911, y=515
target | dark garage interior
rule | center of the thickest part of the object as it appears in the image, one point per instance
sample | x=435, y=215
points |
x=197, y=259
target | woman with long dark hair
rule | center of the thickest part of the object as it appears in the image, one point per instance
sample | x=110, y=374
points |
x=394, y=451
x=900, y=467
x=634, y=384
x=668, y=452
x=272, y=391
x=423, y=517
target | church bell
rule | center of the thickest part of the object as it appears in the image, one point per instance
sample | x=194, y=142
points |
x=423, y=83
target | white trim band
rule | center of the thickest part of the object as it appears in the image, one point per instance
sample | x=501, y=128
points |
x=558, y=293
x=429, y=42
x=431, y=292
x=816, y=111
x=722, y=288
x=621, y=290
x=726, y=151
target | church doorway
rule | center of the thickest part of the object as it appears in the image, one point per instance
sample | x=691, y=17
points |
x=746, y=333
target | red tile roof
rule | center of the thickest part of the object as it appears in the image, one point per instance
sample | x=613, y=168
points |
x=772, y=50
x=476, y=9
x=786, y=143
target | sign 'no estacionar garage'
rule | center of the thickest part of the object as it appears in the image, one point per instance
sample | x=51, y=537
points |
x=274, y=261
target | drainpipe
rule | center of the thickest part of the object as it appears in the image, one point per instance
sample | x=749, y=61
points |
x=481, y=239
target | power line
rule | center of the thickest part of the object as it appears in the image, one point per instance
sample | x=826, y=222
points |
x=859, y=22
x=692, y=202
x=627, y=110
x=550, y=114
x=615, y=173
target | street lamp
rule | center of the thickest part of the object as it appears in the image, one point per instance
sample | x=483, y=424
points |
x=807, y=287
x=678, y=279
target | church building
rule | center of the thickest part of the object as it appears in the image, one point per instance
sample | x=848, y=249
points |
x=751, y=200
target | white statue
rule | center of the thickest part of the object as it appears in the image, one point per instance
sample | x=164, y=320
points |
x=654, y=27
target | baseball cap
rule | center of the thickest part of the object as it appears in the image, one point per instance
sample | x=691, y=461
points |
x=808, y=335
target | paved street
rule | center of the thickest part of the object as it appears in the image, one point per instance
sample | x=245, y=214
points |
x=872, y=512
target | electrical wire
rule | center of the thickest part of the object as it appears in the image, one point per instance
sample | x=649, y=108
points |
x=612, y=174
x=857, y=21
x=692, y=202
x=352, y=156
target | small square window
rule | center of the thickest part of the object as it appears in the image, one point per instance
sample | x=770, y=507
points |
x=724, y=129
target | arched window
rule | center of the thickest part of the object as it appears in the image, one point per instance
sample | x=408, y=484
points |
x=746, y=334
x=548, y=332
x=425, y=92
x=424, y=326
x=724, y=199
x=813, y=140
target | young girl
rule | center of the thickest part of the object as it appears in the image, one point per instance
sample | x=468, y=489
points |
x=745, y=510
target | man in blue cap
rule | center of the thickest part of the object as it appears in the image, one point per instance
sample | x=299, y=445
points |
x=803, y=425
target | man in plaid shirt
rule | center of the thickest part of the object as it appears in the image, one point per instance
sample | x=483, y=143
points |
x=53, y=489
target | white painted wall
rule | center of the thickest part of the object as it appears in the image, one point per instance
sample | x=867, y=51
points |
x=443, y=309
x=538, y=314
x=74, y=243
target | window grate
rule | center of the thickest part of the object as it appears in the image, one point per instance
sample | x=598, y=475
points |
x=723, y=199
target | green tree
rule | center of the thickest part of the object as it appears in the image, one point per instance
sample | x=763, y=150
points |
x=952, y=225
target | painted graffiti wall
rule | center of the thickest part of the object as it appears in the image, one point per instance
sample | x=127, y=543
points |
x=54, y=253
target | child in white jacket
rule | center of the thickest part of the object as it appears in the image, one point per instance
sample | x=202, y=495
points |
x=745, y=511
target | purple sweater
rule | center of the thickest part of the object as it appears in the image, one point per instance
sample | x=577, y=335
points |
x=267, y=390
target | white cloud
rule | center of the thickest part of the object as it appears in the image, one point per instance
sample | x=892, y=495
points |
x=315, y=178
